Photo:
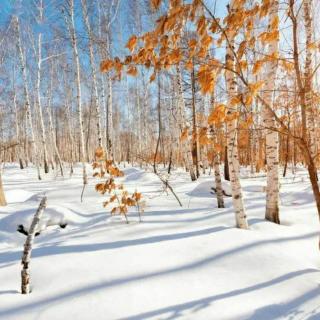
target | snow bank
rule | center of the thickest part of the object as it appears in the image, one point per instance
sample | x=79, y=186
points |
x=205, y=189
x=139, y=175
x=18, y=195
x=52, y=216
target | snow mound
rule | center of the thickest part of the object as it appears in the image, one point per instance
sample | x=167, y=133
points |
x=18, y=195
x=140, y=176
x=17, y=176
x=204, y=189
x=53, y=216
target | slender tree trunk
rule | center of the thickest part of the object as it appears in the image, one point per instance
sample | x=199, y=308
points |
x=109, y=107
x=26, y=141
x=19, y=151
x=79, y=98
x=51, y=129
x=159, y=127
x=272, y=136
x=186, y=143
x=93, y=72
x=232, y=145
x=310, y=114
x=26, y=257
x=303, y=90
x=226, y=165
x=39, y=104
x=286, y=155
x=27, y=97
x=3, y=201
x=217, y=177
x=216, y=166
x=194, y=124
x=72, y=145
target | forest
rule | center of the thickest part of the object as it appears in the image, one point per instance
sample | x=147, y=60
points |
x=159, y=159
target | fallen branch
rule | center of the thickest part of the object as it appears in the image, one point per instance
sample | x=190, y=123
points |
x=25, y=273
x=168, y=186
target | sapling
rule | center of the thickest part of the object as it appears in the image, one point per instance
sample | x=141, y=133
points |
x=119, y=197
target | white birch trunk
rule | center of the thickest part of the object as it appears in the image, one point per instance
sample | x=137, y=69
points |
x=26, y=257
x=38, y=103
x=26, y=141
x=109, y=107
x=217, y=178
x=19, y=150
x=27, y=97
x=272, y=136
x=79, y=98
x=307, y=5
x=51, y=129
x=216, y=166
x=186, y=143
x=93, y=72
x=232, y=144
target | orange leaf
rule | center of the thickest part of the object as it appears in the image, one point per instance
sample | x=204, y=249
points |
x=132, y=71
x=131, y=44
x=99, y=153
x=184, y=134
x=218, y=114
x=152, y=77
x=106, y=65
x=206, y=78
x=257, y=66
x=155, y=4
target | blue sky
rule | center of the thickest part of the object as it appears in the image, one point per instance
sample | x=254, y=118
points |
x=122, y=27
x=5, y=10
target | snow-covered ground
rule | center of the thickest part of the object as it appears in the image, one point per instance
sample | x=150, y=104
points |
x=179, y=263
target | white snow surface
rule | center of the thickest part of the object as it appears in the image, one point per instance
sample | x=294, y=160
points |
x=185, y=262
x=18, y=195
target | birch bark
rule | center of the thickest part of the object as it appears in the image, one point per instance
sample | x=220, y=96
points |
x=93, y=71
x=272, y=136
x=18, y=138
x=74, y=44
x=186, y=144
x=27, y=96
x=38, y=88
x=232, y=144
x=307, y=5
x=26, y=257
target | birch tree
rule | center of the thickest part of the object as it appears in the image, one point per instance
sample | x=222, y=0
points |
x=74, y=43
x=26, y=257
x=38, y=88
x=310, y=112
x=109, y=14
x=232, y=143
x=17, y=122
x=50, y=122
x=184, y=128
x=93, y=71
x=26, y=95
x=272, y=136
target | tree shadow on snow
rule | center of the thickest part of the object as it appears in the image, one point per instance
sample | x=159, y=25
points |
x=289, y=309
x=265, y=313
x=175, y=311
x=198, y=304
x=49, y=250
x=3, y=292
